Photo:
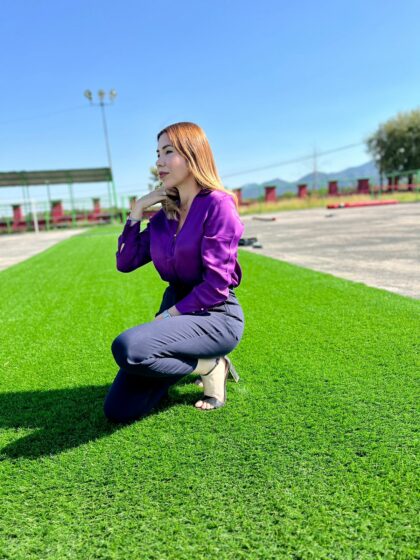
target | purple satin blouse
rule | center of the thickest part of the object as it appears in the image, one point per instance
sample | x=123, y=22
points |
x=202, y=257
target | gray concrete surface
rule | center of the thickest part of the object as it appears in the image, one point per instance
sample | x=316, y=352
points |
x=379, y=246
x=17, y=247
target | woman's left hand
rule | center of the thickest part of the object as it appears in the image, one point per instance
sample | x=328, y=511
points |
x=172, y=310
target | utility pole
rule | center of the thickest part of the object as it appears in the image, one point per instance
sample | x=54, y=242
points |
x=101, y=104
x=315, y=171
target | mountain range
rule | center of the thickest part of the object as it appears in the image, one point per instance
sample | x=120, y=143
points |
x=345, y=177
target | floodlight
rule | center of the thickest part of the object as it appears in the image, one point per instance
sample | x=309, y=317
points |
x=101, y=104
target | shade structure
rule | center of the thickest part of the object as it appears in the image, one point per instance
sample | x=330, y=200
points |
x=55, y=177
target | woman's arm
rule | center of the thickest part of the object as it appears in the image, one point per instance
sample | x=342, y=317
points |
x=219, y=248
x=133, y=247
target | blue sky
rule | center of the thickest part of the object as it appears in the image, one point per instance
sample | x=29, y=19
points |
x=267, y=81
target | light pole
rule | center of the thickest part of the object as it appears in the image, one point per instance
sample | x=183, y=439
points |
x=101, y=104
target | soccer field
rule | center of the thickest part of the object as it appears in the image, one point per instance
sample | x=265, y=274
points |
x=314, y=455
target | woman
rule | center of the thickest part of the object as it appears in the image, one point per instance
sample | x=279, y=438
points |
x=192, y=241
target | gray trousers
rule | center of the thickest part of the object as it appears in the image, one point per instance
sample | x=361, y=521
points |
x=155, y=355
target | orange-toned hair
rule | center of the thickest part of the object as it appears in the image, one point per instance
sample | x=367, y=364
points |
x=192, y=144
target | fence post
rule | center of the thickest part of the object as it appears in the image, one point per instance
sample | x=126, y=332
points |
x=34, y=216
x=124, y=210
x=303, y=190
x=238, y=193
x=270, y=193
x=332, y=188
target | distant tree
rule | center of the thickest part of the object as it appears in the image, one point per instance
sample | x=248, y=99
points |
x=154, y=178
x=395, y=146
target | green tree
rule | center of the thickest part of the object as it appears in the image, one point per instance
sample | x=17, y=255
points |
x=395, y=146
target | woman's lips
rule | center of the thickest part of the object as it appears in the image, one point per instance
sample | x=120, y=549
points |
x=162, y=175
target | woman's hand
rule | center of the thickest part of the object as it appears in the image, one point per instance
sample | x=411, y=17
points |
x=172, y=310
x=158, y=317
x=158, y=195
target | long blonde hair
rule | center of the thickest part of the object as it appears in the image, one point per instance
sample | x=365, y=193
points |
x=191, y=143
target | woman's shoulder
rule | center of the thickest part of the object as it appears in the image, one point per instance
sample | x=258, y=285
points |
x=215, y=196
x=212, y=199
x=222, y=206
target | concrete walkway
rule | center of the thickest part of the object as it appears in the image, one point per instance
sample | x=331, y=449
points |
x=17, y=247
x=379, y=246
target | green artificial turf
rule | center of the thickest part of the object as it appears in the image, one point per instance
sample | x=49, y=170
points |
x=314, y=455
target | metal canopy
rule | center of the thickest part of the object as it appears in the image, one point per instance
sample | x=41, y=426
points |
x=55, y=177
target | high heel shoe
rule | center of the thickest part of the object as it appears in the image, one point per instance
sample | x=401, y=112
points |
x=212, y=394
x=231, y=371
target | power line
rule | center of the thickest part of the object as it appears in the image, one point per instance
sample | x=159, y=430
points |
x=134, y=103
x=285, y=162
x=50, y=114
x=294, y=160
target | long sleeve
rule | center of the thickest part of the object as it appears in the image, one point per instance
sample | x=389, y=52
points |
x=219, y=246
x=133, y=247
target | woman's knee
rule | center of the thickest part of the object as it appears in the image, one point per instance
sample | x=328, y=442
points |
x=128, y=350
x=119, y=349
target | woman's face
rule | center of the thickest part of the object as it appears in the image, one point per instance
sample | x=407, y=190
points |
x=171, y=162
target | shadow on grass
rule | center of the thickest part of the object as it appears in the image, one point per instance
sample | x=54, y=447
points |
x=65, y=418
